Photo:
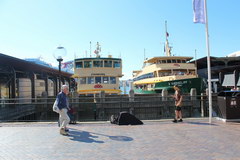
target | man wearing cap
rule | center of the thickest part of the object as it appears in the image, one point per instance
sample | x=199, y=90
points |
x=178, y=103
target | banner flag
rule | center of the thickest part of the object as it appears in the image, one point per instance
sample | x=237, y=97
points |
x=199, y=11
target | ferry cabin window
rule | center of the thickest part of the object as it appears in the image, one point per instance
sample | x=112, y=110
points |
x=168, y=61
x=97, y=63
x=105, y=80
x=107, y=63
x=87, y=64
x=90, y=80
x=173, y=61
x=116, y=64
x=79, y=64
x=98, y=80
x=191, y=72
x=82, y=80
x=112, y=80
x=178, y=61
x=164, y=61
x=183, y=61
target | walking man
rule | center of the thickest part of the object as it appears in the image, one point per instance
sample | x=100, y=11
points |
x=63, y=105
x=178, y=103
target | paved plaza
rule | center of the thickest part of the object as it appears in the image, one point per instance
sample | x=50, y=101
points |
x=194, y=139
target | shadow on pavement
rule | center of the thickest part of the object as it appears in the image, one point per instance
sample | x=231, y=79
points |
x=120, y=138
x=202, y=123
x=83, y=136
x=89, y=137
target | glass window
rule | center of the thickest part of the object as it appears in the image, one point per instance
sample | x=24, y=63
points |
x=107, y=63
x=183, y=61
x=79, y=65
x=90, y=80
x=97, y=63
x=178, y=61
x=98, y=80
x=168, y=61
x=173, y=61
x=112, y=80
x=82, y=80
x=106, y=80
x=87, y=64
x=116, y=64
x=163, y=61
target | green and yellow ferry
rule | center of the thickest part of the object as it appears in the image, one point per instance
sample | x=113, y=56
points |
x=164, y=72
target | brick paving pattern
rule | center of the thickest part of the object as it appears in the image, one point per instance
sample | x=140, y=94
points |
x=194, y=139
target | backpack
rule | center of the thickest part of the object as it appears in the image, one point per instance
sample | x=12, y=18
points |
x=55, y=107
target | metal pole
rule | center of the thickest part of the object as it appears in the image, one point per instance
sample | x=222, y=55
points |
x=208, y=64
x=59, y=69
x=195, y=61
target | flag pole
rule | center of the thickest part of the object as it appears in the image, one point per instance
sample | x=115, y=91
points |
x=208, y=65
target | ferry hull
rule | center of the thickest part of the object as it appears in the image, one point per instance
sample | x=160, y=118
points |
x=185, y=85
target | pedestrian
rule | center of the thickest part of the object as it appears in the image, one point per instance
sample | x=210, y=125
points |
x=63, y=105
x=178, y=104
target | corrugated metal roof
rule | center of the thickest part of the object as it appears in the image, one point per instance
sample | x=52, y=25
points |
x=23, y=65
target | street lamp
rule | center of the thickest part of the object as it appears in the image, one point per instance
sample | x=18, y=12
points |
x=58, y=54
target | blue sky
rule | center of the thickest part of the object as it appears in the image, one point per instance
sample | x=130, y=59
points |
x=33, y=28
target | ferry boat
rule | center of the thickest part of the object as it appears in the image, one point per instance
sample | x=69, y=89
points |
x=164, y=72
x=96, y=74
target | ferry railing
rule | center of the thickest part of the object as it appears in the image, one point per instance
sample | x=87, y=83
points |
x=98, y=108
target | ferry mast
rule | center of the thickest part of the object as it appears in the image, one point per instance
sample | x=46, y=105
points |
x=167, y=48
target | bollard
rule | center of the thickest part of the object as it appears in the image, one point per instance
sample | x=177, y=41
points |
x=102, y=100
x=207, y=92
x=102, y=96
x=44, y=96
x=165, y=108
x=43, y=114
x=131, y=95
x=193, y=94
x=196, y=107
x=131, y=99
x=202, y=105
x=75, y=103
x=164, y=95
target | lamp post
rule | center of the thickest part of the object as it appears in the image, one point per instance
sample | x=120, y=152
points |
x=58, y=54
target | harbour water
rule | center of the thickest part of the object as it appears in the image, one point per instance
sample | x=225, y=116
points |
x=125, y=86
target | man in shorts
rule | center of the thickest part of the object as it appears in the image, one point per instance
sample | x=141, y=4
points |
x=178, y=103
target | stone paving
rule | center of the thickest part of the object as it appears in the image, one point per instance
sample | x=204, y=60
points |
x=194, y=139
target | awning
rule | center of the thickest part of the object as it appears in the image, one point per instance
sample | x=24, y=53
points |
x=228, y=80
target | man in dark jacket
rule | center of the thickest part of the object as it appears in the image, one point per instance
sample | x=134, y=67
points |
x=63, y=105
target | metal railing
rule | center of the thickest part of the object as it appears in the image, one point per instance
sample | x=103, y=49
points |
x=96, y=108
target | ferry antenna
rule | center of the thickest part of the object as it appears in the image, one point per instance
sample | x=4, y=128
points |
x=144, y=54
x=90, y=49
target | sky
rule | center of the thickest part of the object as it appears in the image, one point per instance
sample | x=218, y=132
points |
x=124, y=29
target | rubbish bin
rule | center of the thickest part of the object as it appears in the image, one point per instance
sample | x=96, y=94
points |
x=229, y=105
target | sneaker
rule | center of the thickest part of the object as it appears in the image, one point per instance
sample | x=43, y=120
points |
x=180, y=120
x=63, y=132
x=66, y=130
x=174, y=121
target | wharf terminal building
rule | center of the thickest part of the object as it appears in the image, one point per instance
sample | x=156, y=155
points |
x=23, y=79
x=224, y=71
